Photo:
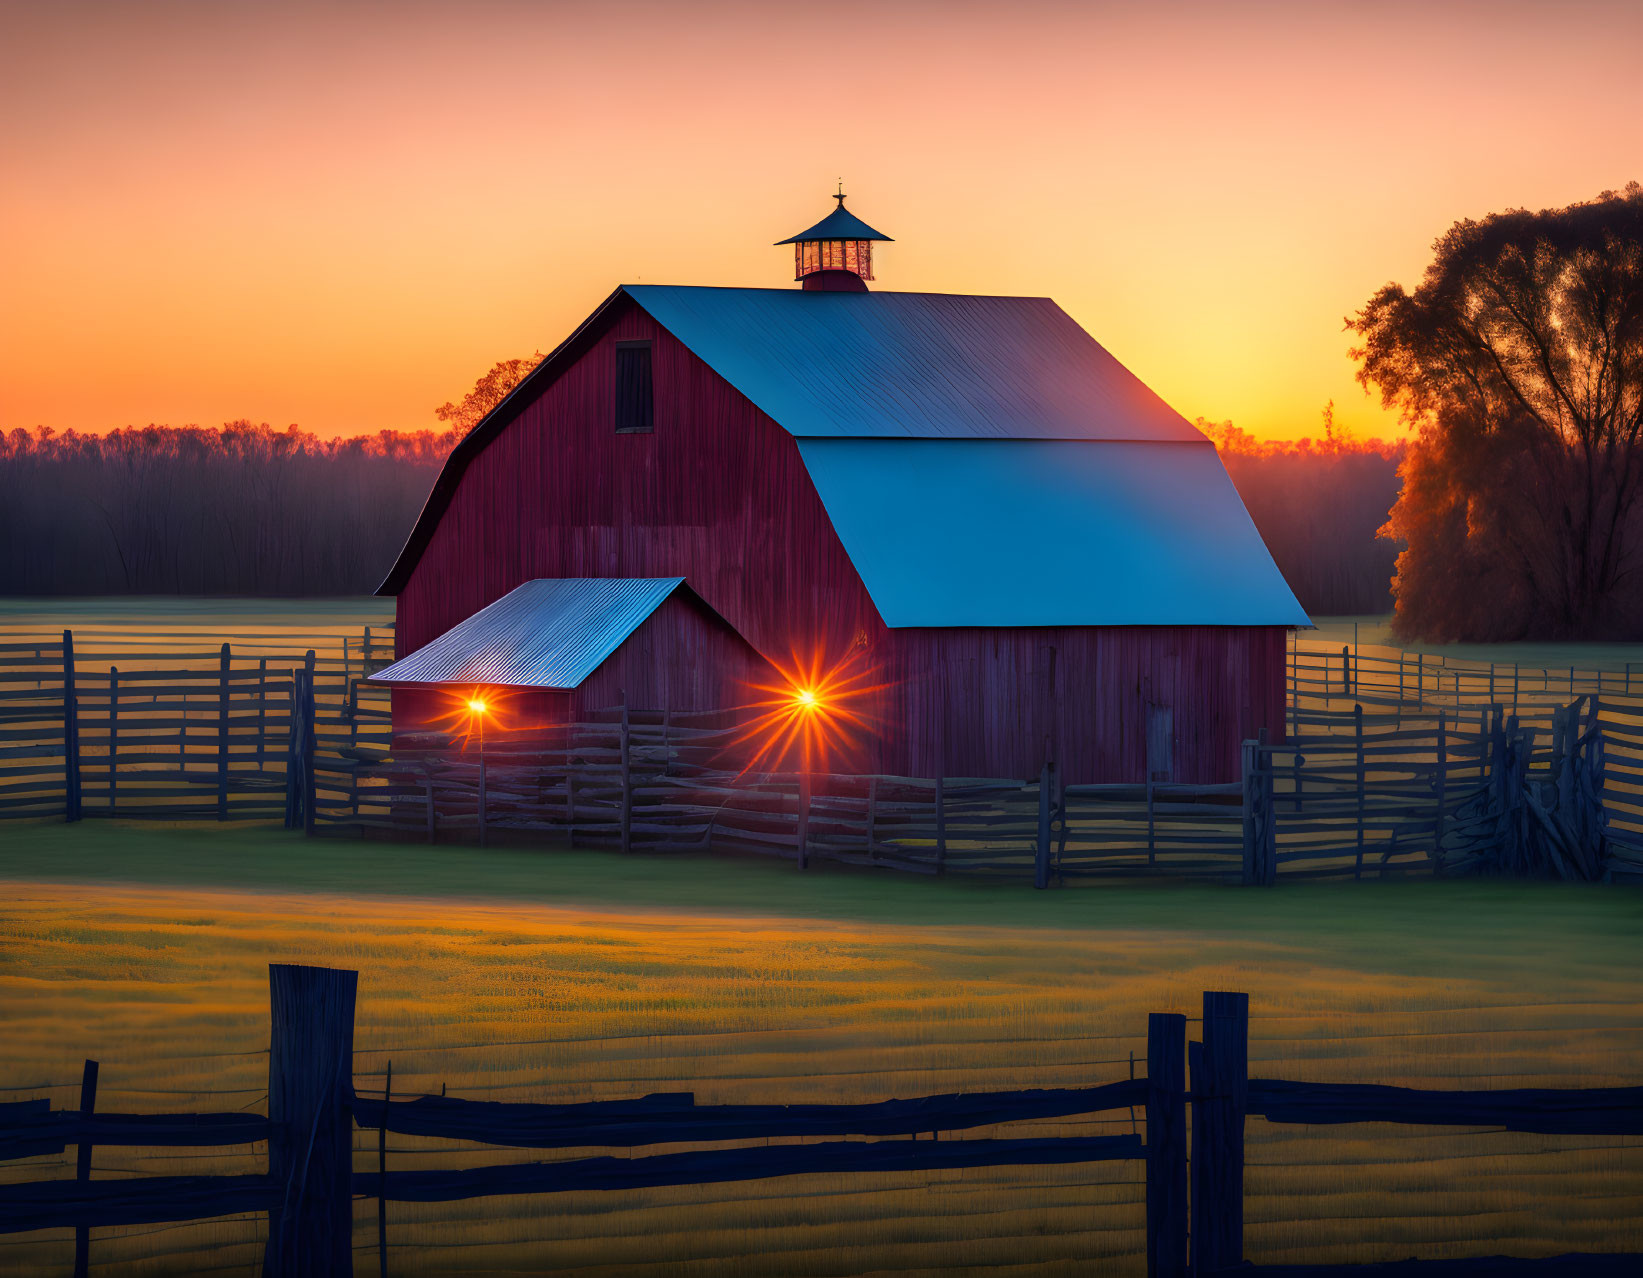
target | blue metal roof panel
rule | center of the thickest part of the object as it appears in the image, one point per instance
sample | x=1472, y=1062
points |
x=549, y=633
x=840, y=224
x=913, y=365
x=1048, y=533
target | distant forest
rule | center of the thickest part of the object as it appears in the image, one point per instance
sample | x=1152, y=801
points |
x=244, y=510
x=1320, y=505
x=249, y=510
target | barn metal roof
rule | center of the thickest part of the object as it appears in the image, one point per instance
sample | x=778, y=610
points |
x=1048, y=533
x=549, y=633
x=913, y=365
x=840, y=224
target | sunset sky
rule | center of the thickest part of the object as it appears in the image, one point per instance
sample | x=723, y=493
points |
x=340, y=215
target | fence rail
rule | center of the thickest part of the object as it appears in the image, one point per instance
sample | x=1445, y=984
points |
x=1194, y=1191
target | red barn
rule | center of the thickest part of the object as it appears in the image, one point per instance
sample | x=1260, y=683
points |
x=965, y=501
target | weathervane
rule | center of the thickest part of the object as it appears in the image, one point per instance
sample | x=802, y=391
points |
x=840, y=196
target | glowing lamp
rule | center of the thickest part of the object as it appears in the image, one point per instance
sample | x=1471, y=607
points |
x=805, y=699
x=477, y=706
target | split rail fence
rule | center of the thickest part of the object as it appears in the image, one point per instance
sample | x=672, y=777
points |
x=1193, y=1170
x=1390, y=767
x=1354, y=795
x=133, y=730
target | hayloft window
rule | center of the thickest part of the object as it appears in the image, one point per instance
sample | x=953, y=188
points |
x=635, y=400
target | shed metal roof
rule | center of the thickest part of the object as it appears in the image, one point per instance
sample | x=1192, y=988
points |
x=840, y=224
x=1048, y=533
x=913, y=365
x=549, y=633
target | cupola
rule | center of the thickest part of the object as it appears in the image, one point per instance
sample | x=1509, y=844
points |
x=836, y=254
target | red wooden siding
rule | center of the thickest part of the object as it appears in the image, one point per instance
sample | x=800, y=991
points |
x=718, y=494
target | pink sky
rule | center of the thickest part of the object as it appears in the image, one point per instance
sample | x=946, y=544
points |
x=339, y=216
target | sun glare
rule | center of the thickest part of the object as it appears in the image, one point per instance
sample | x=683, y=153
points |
x=468, y=715
x=819, y=717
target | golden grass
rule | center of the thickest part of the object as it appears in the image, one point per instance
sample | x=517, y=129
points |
x=166, y=985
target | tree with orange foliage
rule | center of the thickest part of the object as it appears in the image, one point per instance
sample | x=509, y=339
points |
x=489, y=391
x=1520, y=361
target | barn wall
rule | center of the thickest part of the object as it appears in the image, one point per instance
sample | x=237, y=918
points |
x=990, y=702
x=718, y=494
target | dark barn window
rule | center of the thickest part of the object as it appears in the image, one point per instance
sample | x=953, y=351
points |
x=635, y=401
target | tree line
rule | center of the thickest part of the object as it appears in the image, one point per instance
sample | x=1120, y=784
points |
x=249, y=510
x=1320, y=505
x=241, y=510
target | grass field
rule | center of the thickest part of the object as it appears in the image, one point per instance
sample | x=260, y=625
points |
x=591, y=975
x=1376, y=632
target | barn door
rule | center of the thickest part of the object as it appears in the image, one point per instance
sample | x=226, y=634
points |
x=1160, y=743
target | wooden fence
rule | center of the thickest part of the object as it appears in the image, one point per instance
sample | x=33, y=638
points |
x=1390, y=783
x=1194, y=1195
x=137, y=731
x=1353, y=795
x=1326, y=675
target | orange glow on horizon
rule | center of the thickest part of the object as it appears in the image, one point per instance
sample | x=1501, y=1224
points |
x=341, y=216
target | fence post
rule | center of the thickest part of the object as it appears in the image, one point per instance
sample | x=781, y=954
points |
x=353, y=746
x=222, y=734
x=1357, y=725
x=71, y=734
x=82, y=1167
x=1041, y=853
x=1346, y=669
x=1259, y=813
x=113, y=730
x=310, y=1159
x=382, y=1152
x=1061, y=816
x=1292, y=701
x=262, y=712
x=1197, y=1210
x=297, y=770
x=1269, y=811
x=1249, y=767
x=310, y=791
x=1220, y=1098
x=1443, y=792
x=1166, y=1145
x=293, y=755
